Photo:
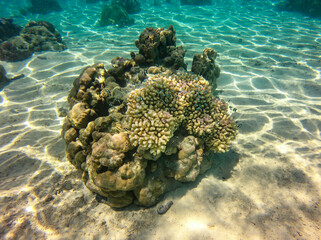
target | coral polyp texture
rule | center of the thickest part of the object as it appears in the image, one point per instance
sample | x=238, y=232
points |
x=134, y=129
x=167, y=102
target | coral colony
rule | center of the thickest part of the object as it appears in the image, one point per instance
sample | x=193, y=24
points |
x=146, y=120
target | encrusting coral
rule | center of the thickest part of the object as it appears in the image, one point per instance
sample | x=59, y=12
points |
x=132, y=128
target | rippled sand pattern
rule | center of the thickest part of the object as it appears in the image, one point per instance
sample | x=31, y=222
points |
x=266, y=187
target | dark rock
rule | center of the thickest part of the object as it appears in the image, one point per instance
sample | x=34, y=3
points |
x=308, y=7
x=44, y=6
x=50, y=27
x=94, y=1
x=163, y=209
x=43, y=37
x=15, y=49
x=196, y=2
x=175, y=57
x=3, y=79
x=131, y=6
x=204, y=65
x=115, y=15
x=8, y=29
x=35, y=37
x=158, y=46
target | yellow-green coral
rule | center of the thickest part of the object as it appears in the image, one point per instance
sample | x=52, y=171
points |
x=167, y=102
x=154, y=113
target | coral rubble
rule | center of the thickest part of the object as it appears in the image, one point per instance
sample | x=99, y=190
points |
x=34, y=37
x=135, y=127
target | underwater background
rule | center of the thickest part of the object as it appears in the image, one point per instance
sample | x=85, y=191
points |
x=266, y=187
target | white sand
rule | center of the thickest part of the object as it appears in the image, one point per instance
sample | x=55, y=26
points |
x=267, y=187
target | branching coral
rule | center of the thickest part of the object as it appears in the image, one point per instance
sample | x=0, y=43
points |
x=165, y=103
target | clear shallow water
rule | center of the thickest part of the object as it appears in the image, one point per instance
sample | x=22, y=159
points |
x=266, y=187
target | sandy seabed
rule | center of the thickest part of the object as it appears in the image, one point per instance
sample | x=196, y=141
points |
x=267, y=187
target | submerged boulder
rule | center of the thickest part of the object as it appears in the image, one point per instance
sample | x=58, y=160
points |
x=3, y=79
x=15, y=49
x=196, y=2
x=157, y=46
x=8, y=29
x=94, y=1
x=115, y=15
x=131, y=6
x=44, y=6
x=308, y=7
x=35, y=37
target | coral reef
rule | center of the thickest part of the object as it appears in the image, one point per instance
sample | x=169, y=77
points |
x=34, y=37
x=131, y=6
x=308, y=7
x=8, y=29
x=115, y=15
x=196, y=2
x=133, y=130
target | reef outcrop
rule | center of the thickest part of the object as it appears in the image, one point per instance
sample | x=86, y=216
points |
x=115, y=14
x=308, y=7
x=158, y=47
x=135, y=128
x=3, y=79
x=34, y=37
x=131, y=6
x=8, y=29
x=204, y=65
x=196, y=2
x=44, y=6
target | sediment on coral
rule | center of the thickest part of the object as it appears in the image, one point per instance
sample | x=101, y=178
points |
x=134, y=129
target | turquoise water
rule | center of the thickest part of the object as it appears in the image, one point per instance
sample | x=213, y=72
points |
x=266, y=187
